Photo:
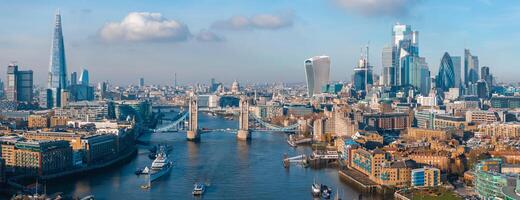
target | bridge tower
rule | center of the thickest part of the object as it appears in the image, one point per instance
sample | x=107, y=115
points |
x=243, y=121
x=193, y=126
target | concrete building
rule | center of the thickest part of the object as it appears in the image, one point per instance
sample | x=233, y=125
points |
x=396, y=173
x=501, y=130
x=38, y=121
x=430, y=134
x=74, y=139
x=482, y=116
x=99, y=148
x=387, y=121
x=368, y=162
x=440, y=160
x=42, y=157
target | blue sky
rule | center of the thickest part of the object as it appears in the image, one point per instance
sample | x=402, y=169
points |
x=251, y=41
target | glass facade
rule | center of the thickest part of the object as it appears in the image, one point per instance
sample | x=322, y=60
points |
x=57, y=68
x=317, y=70
x=446, y=77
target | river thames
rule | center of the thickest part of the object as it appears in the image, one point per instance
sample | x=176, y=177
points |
x=232, y=169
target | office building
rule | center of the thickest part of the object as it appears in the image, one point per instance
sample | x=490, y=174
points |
x=405, y=43
x=57, y=80
x=42, y=157
x=486, y=76
x=446, y=77
x=426, y=177
x=470, y=67
x=457, y=67
x=388, y=76
x=84, y=78
x=58, y=67
x=19, y=84
x=99, y=148
x=141, y=82
x=505, y=102
x=363, y=76
x=73, y=78
x=317, y=70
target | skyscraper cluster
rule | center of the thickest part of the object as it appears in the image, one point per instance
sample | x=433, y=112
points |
x=59, y=90
x=402, y=65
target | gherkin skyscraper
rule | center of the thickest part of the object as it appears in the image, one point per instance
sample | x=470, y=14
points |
x=446, y=77
x=57, y=67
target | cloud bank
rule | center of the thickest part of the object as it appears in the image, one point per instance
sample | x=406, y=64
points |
x=371, y=8
x=260, y=21
x=209, y=36
x=145, y=26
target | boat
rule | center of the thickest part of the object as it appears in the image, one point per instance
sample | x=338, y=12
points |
x=139, y=171
x=160, y=166
x=146, y=170
x=291, y=143
x=325, y=191
x=316, y=189
x=198, y=189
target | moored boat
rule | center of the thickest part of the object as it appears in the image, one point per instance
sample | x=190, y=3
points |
x=160, y=166
x=316, y=189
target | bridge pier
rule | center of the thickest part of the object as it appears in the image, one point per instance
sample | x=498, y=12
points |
x=193, y=133
x=243, y=121
x=244, y=135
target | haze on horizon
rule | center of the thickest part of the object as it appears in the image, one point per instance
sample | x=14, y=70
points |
x=250, y=41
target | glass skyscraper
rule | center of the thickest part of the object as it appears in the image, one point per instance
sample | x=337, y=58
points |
x=317, y=71
x=362, y=75
x=405, y=43
x=84, y=78
x=58, y=67
x=470, y=68
x=457, y=67
x=446, y=77
x=388, y=75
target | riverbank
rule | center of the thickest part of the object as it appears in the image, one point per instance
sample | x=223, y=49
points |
x=362, y=183
x=126, y=156
x=122, y=158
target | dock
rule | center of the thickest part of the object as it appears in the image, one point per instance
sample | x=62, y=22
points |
x=361, y=182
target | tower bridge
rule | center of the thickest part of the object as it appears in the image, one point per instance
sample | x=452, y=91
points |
x=247, y=123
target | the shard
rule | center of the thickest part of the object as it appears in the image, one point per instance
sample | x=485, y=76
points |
x=57, y=67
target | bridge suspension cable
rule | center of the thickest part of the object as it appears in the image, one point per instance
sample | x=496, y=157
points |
x=182, y=117
x=291, y=128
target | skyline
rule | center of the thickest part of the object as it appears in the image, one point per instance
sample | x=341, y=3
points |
x=242, y=38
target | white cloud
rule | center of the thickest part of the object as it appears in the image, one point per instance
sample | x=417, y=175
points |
x=394, y=8
x=208, y=36
x=145, y=26
x=260, y=21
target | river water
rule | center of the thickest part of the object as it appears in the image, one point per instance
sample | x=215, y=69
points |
x=232, y=169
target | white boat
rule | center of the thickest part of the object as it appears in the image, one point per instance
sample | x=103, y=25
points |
x=160, y=166
x=198, y=189
x=316, y=189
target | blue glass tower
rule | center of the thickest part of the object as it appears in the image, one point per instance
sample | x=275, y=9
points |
x=57, y=67
x=446, y=76
x=83, y=78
